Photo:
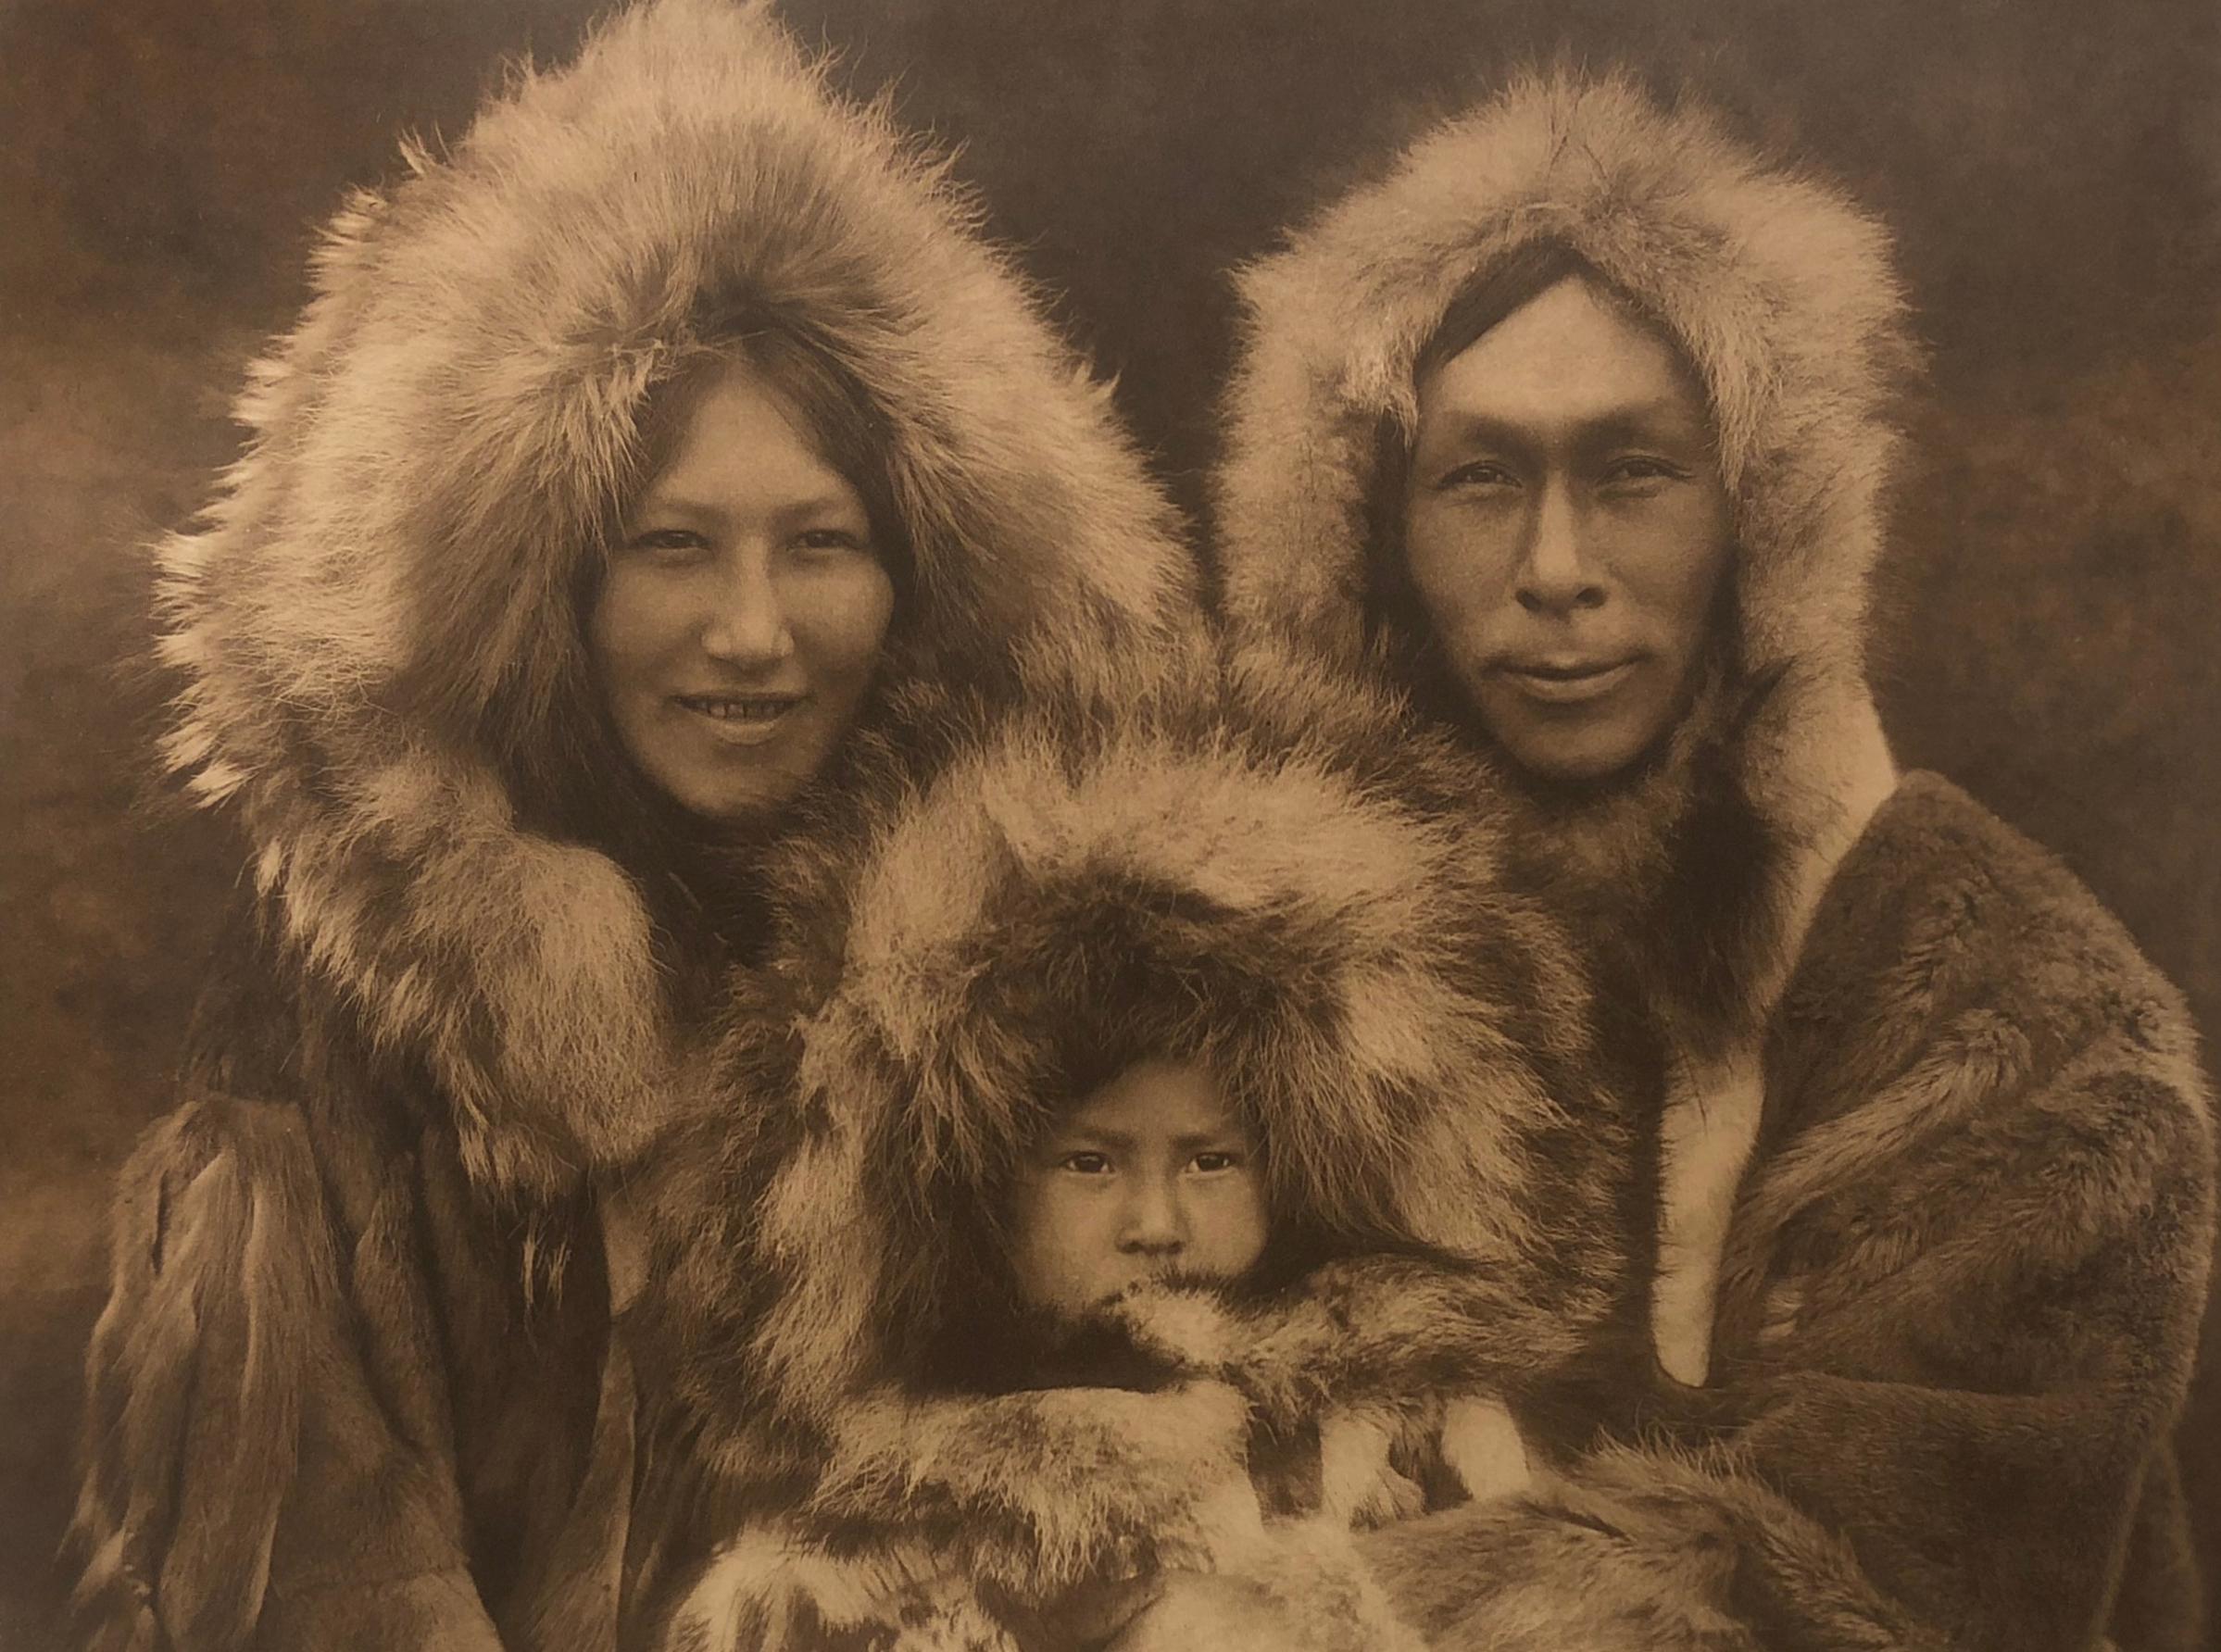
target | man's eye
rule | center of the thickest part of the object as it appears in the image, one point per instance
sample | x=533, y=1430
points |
x=1216, y=1161
x=1085, y=1164
x=1636, y=469
x=1477, y=474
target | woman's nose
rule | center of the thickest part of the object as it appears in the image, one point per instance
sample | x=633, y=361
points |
x=747, y=623
x=1554, y=574
x=1155, y=1224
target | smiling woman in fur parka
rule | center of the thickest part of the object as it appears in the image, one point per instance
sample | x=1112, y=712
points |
x=357, y=1383
x=896, y=1426
x=1574, y=428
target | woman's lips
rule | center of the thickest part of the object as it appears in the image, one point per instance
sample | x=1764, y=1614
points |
x=1566, y=681
x=740, y=719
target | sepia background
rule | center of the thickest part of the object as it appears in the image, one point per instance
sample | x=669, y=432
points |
x=2052, y=631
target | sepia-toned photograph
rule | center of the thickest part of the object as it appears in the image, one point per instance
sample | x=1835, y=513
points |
x=1109, y=825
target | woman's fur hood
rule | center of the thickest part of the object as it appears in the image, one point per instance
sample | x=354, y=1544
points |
x=375, y=620
x=1777, y=291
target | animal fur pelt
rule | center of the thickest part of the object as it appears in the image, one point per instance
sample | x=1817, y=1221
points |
x=1958, y=1317
x=1936, y=1175
x=448, y=1018
x=375, y=622
x=1276, y=890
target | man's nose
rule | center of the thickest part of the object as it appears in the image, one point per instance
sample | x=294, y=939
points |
x=747, y=623
x=1155, y=1223
x=1554, y=573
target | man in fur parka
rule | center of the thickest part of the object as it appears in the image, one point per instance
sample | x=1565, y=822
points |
x=1573, y=429
x=666, y=465
x=971, y=1354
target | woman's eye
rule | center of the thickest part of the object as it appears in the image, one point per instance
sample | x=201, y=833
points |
x=666, y=544
x=830, y=540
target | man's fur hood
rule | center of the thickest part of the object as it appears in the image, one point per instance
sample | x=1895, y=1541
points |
x=1263, y=887
x=1777, y=291
x=375, y=620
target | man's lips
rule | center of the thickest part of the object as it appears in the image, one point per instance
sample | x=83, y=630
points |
x=740, y=718
x=1566, y=680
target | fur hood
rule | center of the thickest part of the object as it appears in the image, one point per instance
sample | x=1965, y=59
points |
x=1776, y=289
x=1265, y=888
x=375, y=620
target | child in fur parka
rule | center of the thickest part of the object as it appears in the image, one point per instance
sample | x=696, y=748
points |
x=1573, y=427
x=969, y=1402
x=665, y=458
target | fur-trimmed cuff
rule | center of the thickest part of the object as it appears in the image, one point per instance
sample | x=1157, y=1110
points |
x=1642, y=1551
x=1302, y=1587
x=1041, y=1491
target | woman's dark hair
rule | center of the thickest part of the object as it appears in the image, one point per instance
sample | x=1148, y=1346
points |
x=578, y=781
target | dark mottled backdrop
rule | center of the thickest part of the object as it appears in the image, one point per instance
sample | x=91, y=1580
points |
x=2054, y=640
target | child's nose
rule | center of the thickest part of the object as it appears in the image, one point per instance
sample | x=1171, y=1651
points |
x=1155, y=1224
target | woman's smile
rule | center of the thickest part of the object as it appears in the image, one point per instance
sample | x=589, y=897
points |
x=741, y=719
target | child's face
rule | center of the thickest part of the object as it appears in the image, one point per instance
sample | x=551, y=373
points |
x=1149, y=1175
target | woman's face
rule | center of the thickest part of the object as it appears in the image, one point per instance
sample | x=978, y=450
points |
x=1566, y=529
x=744, y=609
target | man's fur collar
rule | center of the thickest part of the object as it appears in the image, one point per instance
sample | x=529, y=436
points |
x=1781, y=295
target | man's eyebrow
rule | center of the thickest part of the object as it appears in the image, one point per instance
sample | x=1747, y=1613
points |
x=1619, y=420
x=1233, y=1135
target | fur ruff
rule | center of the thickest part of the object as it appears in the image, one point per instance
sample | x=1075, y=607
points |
x=375, y=618
x=1780, y=294
x=1259, y=884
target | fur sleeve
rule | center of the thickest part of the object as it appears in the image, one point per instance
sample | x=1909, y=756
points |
x=1964, y=1376
x=1039, y=1491
x=217, y=1370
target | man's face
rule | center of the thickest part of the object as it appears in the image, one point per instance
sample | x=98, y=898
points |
x=1150, y=1175
x=1566, y=529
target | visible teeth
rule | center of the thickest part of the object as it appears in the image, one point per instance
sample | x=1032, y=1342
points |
x=739, y=710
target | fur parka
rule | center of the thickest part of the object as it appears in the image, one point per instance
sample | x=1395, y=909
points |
x=1934, y=1202
x=1275, y=888
x=356, y=1383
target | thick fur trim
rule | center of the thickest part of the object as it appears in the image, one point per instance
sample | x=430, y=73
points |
x=1958, y=1314
x=1644, y=1551
x=377, y=615
x=1299, y=1588
x=1273, y=883
x=1778, y=291
x=1410, y=1038
x=1781, y=295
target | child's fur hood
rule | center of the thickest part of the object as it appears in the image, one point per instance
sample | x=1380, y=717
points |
x=375, y=620
x=1262, y=888
x=1778, y=291
x=1276, y=880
